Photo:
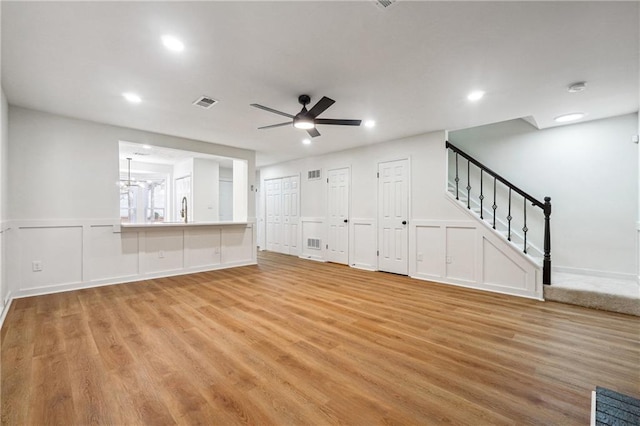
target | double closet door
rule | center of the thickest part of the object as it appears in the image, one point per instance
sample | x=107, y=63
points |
x=283, y=198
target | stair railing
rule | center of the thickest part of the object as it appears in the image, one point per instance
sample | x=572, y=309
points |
x=546, y=206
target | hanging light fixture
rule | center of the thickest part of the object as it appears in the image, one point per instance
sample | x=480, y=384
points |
x=126, y=186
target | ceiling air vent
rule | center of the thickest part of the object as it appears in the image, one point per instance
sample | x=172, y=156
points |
x=383, y=4
x=205, y=102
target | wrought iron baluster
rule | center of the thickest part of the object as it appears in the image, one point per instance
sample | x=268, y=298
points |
x=546, y=206
x=546, y=262
x=509, y=217
x=524, y=228
x=481, y=194
x=457, y=179
x=494, y=206
x=468, y=185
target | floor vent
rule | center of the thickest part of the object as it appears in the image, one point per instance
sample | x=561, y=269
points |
x=313, y=243
x=205, y=102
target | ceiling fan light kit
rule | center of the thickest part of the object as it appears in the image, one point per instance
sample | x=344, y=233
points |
x=307, y=119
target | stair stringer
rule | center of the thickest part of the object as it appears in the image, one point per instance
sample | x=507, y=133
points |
x=498, y=266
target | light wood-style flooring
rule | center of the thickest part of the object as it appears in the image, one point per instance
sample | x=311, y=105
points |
x=298, y=342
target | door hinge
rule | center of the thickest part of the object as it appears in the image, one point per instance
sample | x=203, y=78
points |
x=377, y=252
x=327, y=180
x=378, y=175
x=327, y=246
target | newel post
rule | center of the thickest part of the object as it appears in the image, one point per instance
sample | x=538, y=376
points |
x=546, y=264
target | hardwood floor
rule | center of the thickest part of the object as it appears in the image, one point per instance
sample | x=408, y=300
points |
x=298, y=342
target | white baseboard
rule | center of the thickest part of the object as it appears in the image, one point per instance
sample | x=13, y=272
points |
x=485, y=287
x=363, y=267
x=312, y=257
x=5, y=309
x=40, y=291
x=595, y=273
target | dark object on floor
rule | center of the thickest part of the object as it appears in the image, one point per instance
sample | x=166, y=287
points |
x=613, y=408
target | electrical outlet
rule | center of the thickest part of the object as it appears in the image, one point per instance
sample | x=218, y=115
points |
x=419, y=257
x=36, y=265
x=161, y=254
x=449, y=260
x=216, y=250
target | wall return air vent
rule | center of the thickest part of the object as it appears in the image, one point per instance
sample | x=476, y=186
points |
x=313, y=174
x=205, y=102
x=313, y=243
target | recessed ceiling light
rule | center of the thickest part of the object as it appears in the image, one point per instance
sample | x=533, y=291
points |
x=172, y=43
x=369, y=123
x=306, y=141
x=475, y=95
x=569, y=117
x=146, y=146
x=132, y=97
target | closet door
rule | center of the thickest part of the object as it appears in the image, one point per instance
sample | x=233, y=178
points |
x=290, y=214
x=338, y=216
x=393, y=208
x=273, y=213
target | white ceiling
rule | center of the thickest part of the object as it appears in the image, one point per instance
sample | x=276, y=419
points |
x=409, y=67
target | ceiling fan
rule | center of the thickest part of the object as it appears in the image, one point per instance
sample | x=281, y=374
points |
x=308, y=120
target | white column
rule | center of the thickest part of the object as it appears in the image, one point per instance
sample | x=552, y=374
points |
x=240, y=190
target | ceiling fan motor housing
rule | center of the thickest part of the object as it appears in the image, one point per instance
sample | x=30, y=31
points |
x=304, y=99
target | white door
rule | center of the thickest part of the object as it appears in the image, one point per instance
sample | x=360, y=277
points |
x=273, y=210
x=338, y=216
x=393, y=207
x=290, y=215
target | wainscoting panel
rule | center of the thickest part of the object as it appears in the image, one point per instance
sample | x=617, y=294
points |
x=238, y=245
x=202, y=247
x=163, y=251
x=461, y=253
x=58, y=252
x=313, y=229
x=81, y=254
x=110, y=255
x=500, y=270
x=430, y=251
x=362, y=244
x=465, y=253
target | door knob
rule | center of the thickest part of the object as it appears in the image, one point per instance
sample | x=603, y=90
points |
x=346, y=220
x=404, y=222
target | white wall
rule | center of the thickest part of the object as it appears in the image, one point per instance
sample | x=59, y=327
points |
x=590, y=171
x=438, y=228
x=242, y=182
x=4, y=195
x=56, y=158
x=206, y=188
x=63, y=198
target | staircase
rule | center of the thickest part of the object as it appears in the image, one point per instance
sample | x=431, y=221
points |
x=510, y=211
x=524, y=222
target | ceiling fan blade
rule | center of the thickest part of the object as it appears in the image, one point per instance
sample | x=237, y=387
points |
x=288, y=123
x=313, y=132
x=275, y=111
x=319, y=108
x=338, y=122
